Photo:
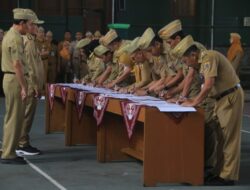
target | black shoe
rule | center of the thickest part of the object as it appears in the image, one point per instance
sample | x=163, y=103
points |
x=208, y=177
x=17, y=160
x=27, y=151
x=218, y=181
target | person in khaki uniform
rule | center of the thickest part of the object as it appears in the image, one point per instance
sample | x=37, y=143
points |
x=90, y=63
x=67, y=37
x=43, y=49
x=83, y=57
x=52, y=58
x=142, y=65
x=125, y=64
x=64, y=66
x=111, y=70
x=112, y=41
x=35, y=84
x=14, y=85
x=75, y=55
x=124, y=76
x=222, y=83
x=235, y=52
x=172, y=34
x=96, y=67
x=1, y=73
x=189, y=88
x=160, y=70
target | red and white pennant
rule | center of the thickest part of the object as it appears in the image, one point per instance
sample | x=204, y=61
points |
x=51, y=93
x=64, y=93
x=100, y=103
x=130, y=114
x=79, y=100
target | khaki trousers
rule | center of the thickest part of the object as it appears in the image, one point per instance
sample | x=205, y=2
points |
x=211, y=127
x=14, y=116
x=229, y=110
x=30, y=110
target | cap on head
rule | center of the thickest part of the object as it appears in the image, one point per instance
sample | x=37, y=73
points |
x=146, y=38
x=97, y=34
x=183, y=46
x=21, y=14
x=100, y=50
x=33, y=16
x=134, y=45
x=123, y=48
x=110, y=36
x=200, y=46
x=82, y=43
x=170, y=29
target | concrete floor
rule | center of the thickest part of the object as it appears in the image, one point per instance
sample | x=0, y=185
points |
x=76, y=167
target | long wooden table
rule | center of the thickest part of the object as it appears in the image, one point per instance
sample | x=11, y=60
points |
x=172, y=151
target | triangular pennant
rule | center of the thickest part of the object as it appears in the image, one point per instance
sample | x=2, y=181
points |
x=176, y=116
x=130, y=114
x=100, y=103
x=64, y=92
x=51, y=93
x=79, y=100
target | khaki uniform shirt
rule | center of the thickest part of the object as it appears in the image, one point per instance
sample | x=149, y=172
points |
x=114, y=71
x=34, y=62
x=116, y=55
x=95, y=68
x=144, y=70
x=12, y=51
x=0, y=51
x=42, y=46
x=53, y=54
x=214, y=64
x=159, y=69
x=174, y=64
x=74, y=52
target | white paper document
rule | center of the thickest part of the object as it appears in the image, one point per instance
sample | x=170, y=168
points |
x=160, y=104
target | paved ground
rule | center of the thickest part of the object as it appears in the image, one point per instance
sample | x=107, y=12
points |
x=76, y=167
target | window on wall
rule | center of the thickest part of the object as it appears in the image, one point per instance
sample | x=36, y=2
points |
x=122, y=5
x=183, y=8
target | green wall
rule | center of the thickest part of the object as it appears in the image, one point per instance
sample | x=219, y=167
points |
x=228, y=18
x=140, y=14
x=57, y=24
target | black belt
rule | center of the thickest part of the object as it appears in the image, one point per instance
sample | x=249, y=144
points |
x=226, y=92
x=13, y=73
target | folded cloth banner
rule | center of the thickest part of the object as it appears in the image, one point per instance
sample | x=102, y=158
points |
x=100, y=103
x=64, y=93
x=80, y=99
x=51, y=93
x=130, y=113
